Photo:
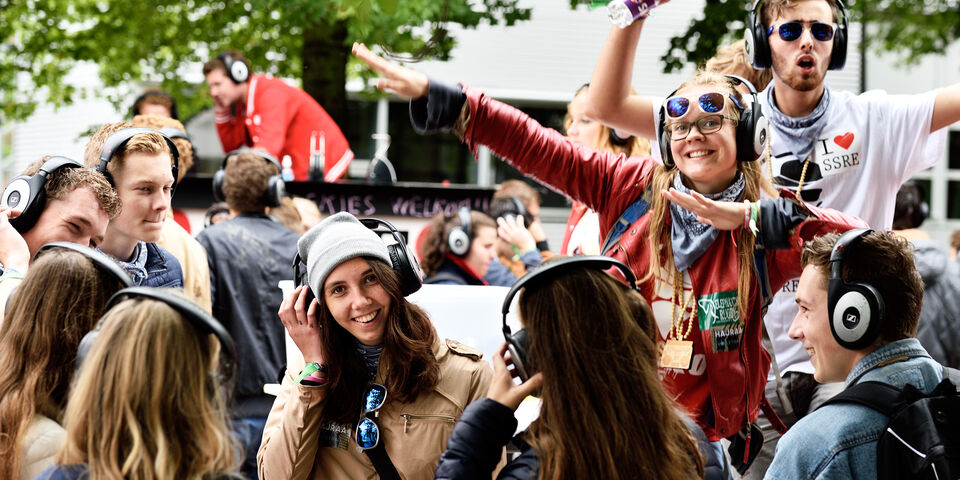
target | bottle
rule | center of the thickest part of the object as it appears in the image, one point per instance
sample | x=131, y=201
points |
x=287, y=170
x=623, y=12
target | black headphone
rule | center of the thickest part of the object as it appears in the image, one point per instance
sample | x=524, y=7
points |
x=118, y=139
x=458, y=240
x=237, y=70
x=751, y=127
x=758, y=43
x=135, y=109
x=855, y=309
x=276, y=188
x=401, y=260
x=616, y=139
x=200, y=319
x=518, y=344
x=99, y=259
x=28, y=195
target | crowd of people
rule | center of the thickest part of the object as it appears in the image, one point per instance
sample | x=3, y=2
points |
x=725, y=273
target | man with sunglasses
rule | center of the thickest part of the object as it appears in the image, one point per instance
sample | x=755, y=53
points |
x=833, y=148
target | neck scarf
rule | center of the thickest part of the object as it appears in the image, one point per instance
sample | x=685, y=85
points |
x=137, y=266
x=690, y=237
x=798, y=134
x=370, y=356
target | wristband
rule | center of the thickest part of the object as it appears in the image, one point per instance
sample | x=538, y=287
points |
x=309, y=369
x=751, y=217
x=543, y=246
x=746, y=214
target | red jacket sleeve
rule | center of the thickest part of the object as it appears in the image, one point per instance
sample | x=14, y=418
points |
x=230, y=129
x=268, y=127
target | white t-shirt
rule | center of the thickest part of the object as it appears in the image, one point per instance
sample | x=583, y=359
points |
x=872, y=143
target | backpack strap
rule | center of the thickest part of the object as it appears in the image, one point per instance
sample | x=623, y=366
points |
x=633, y=213
x=879, y=396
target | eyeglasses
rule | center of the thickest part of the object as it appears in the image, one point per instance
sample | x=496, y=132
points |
x=367, y=431
x=706, y=124
x=791, y=31
x=713, y=102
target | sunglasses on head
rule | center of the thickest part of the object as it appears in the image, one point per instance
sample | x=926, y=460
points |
x=367, y=431
x=791, y=31
x=713, y=102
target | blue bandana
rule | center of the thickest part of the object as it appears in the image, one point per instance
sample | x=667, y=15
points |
x=798, y=134
x=691, y=238
x=137, y=266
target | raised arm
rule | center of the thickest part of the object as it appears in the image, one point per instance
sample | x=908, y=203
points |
x=609, y=100
x=946, y=108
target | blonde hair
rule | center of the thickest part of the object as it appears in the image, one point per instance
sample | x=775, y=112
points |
x=732, y=59
x=184, y=147
x=145, y=404
x=659, y=230
x=148, y=143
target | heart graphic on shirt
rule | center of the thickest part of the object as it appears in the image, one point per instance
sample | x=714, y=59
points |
x=844, y=140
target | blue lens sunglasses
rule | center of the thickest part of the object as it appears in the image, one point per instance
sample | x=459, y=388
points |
x=367, y=431
x=677, y=107
x=790, y=31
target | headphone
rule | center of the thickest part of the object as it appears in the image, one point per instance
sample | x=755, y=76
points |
x=616, y=139
x=459, y=237
x=402, y=261
x=758, y=43
x=119, y=139
x=28, y=195
x=135, y=109
x=518, y=344
x=751, y=126
x=855, y=309
x=911, y=205
x=99, y=259
x=276, y=188
x=237, y=70
x=200, y=319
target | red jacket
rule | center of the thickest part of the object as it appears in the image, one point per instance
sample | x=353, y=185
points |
x=730, y=383
x=282, y=119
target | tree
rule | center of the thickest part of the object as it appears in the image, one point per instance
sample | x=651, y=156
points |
x=165, y=41
x=909, y=28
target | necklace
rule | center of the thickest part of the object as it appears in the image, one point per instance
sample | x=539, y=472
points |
x=678, y=352
x=803, y=174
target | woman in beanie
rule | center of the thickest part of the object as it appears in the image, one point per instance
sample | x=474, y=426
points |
x=379, y=388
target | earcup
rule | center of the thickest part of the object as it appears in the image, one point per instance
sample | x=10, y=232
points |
x=27, y=196
x=665, y=153
x=407, y=268
x=239, y=72
x=751, y=133
x=856, y=313
x=218, y=185
x=756, y=45
x=276, y=190
x=838, y=58
x=518, y=345
x=458, y=241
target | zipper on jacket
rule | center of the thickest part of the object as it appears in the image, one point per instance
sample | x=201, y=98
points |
x=407, y=417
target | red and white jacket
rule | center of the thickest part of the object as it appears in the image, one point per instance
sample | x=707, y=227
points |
x=284, y=120
x=725, y=394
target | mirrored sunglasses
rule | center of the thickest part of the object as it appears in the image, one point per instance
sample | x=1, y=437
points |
x=713, y=102
x=367, y=432
x=791, y=31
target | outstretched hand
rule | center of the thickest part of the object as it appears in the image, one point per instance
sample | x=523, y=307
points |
x=722, y=215
x=502, y=389
x=404, y=82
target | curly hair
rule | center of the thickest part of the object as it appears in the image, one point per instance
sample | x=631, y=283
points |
x=245, y=181
x=65, y=180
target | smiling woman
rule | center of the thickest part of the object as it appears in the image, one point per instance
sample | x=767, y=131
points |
x=369, y=352
x=690, y=227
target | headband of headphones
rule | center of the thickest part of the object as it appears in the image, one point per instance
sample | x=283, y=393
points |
x=117, y=140
x=260, y=153
x=197, y=316
x=99, y=259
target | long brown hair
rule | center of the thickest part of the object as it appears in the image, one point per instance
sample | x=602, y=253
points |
x=593, y=340
x=145, y=404
x=659, y=230
x=59, y=301
x=407, y=360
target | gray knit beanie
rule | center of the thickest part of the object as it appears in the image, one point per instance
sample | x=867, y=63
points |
x=335, y=240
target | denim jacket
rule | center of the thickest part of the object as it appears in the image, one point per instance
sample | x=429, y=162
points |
x=839, y=441
x=163, y=269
